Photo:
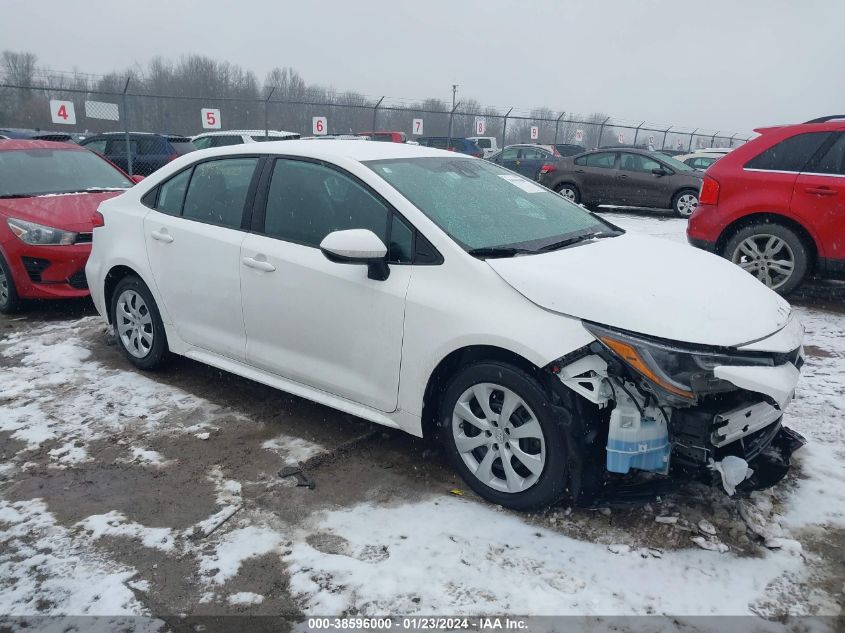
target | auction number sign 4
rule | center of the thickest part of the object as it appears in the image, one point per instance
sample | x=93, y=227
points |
x=62, y=112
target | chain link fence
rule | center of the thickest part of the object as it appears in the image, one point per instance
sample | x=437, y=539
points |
x=81, y=114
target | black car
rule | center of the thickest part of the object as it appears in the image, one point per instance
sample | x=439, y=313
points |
x=524, y=158
x=625, y=177
x=454, y=144
x=148, y=151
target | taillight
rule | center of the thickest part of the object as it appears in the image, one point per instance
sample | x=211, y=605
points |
x=709, y=191
x=547, y=168
x=478, y=154
x=172, y=157
x=97, y=219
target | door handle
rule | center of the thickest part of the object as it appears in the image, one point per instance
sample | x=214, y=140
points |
x=821, y=191
x=622, y=177
x=258, y=264
x=162, y=236
x=579, y=171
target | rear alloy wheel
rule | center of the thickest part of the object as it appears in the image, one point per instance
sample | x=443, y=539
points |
x=684, y=203
x=501, y=434
x=569, y=191
x=9, y=301
x=772, y=253
x=137, y=324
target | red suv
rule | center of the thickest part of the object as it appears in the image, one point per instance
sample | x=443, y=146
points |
x=776, y=205
x=49, y=194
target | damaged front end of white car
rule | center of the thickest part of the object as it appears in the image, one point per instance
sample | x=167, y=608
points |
x=688, y=411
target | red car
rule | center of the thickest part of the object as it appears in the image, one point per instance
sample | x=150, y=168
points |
x=776, y=205
x=49, y=194
x=387, y=137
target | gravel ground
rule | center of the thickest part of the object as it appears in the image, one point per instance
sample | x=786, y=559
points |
x=126, y=494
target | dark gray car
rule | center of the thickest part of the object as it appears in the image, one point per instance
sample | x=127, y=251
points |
x=626, y=177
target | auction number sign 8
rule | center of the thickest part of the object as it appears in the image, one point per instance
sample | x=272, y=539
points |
x=211, y=118
x=480, y=126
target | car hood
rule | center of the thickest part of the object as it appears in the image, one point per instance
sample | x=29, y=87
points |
x=650, y=286
x=69, y=211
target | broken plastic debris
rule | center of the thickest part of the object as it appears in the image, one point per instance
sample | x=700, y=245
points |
x=734, y=470
x=457, y=492
x=786, y=544
x=204, y=436
x=666, y=520
x=706, y=527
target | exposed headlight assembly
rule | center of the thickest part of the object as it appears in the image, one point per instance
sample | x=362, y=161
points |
x=680, y=371
x=40, y=235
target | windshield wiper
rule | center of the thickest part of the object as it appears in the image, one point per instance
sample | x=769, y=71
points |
x=498, y=251
x=578, y=238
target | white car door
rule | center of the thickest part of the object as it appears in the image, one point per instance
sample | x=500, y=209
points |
x=324, y=324
x=194, y=241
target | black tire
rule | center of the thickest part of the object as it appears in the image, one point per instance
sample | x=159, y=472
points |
x=680, y=206
x=551, y=484
x=576, y=194
x=153, y=357
x=10, y=302
x=794, y=247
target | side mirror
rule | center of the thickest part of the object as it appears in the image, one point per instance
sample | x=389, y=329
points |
x=136, y=178
x=357, y=246
x=659, y=171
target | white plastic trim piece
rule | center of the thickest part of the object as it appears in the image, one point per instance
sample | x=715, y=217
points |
x=587, y=377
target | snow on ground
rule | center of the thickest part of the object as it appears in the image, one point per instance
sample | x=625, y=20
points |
x=293, y=449
x=44, y=569
x=452, y=556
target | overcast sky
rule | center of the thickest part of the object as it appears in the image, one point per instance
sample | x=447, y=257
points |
x=715, y=64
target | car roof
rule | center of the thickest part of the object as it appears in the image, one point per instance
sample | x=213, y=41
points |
x=169, y=137
x=248, y=132
x=349, y=149
x=12, y=144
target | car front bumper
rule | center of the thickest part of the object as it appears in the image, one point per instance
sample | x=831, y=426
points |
x=48, y=272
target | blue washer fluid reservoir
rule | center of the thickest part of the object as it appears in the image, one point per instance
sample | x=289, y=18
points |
x=634, y=441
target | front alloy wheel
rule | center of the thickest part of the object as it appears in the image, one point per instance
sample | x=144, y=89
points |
x=504, y=436
x=498, y=438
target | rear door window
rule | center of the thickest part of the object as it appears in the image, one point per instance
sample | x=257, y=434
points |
x=791, y=154
x=604, y=160
x=218, y=191
x=172, y=193
x=831, y=161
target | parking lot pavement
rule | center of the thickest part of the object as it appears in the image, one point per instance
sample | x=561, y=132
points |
x=125, y=493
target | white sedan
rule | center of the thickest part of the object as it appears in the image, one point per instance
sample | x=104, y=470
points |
x=441, y=294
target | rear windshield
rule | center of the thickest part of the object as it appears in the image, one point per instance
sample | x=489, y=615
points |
x=483, y=143
x=45, y=171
